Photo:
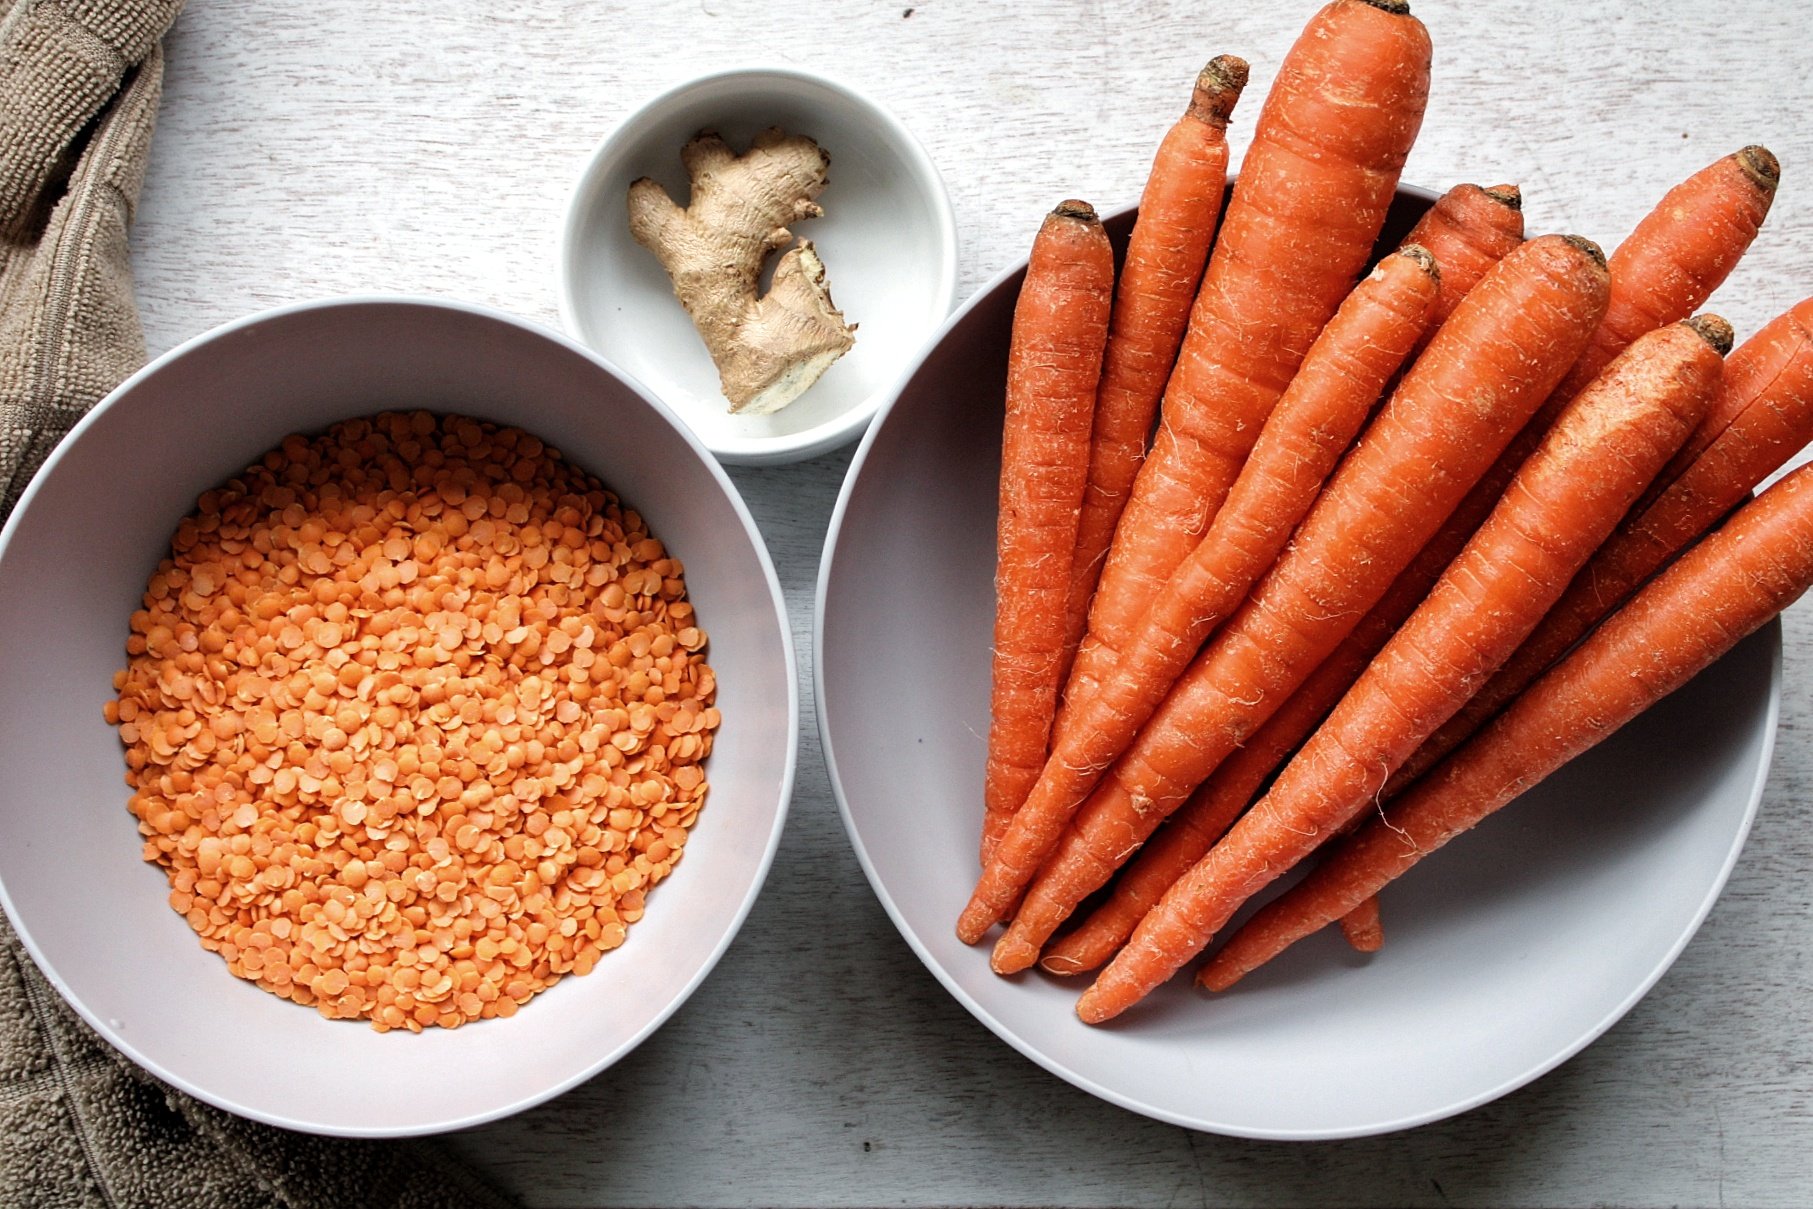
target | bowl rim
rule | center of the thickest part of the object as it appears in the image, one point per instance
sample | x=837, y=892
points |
x=1054, y=1064
x=840, y=429
x=192, y=345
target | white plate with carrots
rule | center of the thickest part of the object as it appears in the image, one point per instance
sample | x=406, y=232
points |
x=1405, y=543
x=1517, y=947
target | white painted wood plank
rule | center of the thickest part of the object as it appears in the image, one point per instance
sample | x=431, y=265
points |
x=336, y=146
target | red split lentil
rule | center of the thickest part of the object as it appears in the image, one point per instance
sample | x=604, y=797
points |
x=414, y=716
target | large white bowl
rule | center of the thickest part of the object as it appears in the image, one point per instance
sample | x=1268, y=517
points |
x=1505, y=954
x=73, y=562
x=887, y=240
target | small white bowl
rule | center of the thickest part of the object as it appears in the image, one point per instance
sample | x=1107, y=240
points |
x=74, y=559
x=887, y=239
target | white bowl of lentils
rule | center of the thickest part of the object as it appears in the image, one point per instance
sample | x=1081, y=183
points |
x=369, y=668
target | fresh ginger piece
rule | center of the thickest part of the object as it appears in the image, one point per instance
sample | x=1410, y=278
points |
x=768, y=349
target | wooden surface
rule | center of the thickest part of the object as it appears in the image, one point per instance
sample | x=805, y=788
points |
x=334, y=146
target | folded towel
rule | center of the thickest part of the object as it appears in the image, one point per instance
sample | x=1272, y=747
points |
x=79, y=1124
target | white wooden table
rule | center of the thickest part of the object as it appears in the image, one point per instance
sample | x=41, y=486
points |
x=310, y=149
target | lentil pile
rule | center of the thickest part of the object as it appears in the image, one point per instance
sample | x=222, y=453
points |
x=414, y=714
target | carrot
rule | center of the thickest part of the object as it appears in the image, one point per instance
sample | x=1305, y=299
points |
x=1485, y=371
x=1194, y=828
x=1316, y=420
x=1760, y=562
x=1166, y=252
x=1681, y=252
x=1768, y=390
x=1054, y=362
x=1308, y=206
x=1753, y=365
x=1362, y=927
x=1190, y=832
x=1468, y=230
x=1559, y=508
x=1664, y=271
x=1668, y=266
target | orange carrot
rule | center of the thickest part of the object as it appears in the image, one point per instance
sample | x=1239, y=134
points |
x=1346, y=371
x=1664, y=271
x=1308, y=206
x=1054, y=362
x=1166, y=253
x=1768, y=389
x=1362, y=927
x=1468, y=230
x=1750, y=376
x=1218, y=801
x=1482, y=375
x=1760, y=562
x=1193, y=829
x=1667, y=267
x=1560, y=507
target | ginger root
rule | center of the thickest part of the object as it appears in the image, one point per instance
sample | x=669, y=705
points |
x=767, y=349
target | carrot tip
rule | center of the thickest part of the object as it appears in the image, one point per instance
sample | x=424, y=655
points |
x=1589, y=247
x=1218, y=87
x=1424, y=258
x=1399, y=7
x=1089, y=1008
x=1761, y=165
x=1012, y=955
x=972, y=925
x=1508, y=195
x=1213, y=979
x=1714, y=331
x=1072, y=208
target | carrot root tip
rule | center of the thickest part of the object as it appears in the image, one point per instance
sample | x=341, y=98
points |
x=1212, y=979
x=1761, y=166
x=971, y=927
x=1089, y=1008
x=1218, y=88
x=1589, y=247
x=1506, y=195
x=1012, y=955
x=1423, y=257
x=1400, y=8
x=1072, y=208
x=1714, y=331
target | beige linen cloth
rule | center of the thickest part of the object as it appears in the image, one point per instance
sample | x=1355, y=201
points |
x=80, y=1125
